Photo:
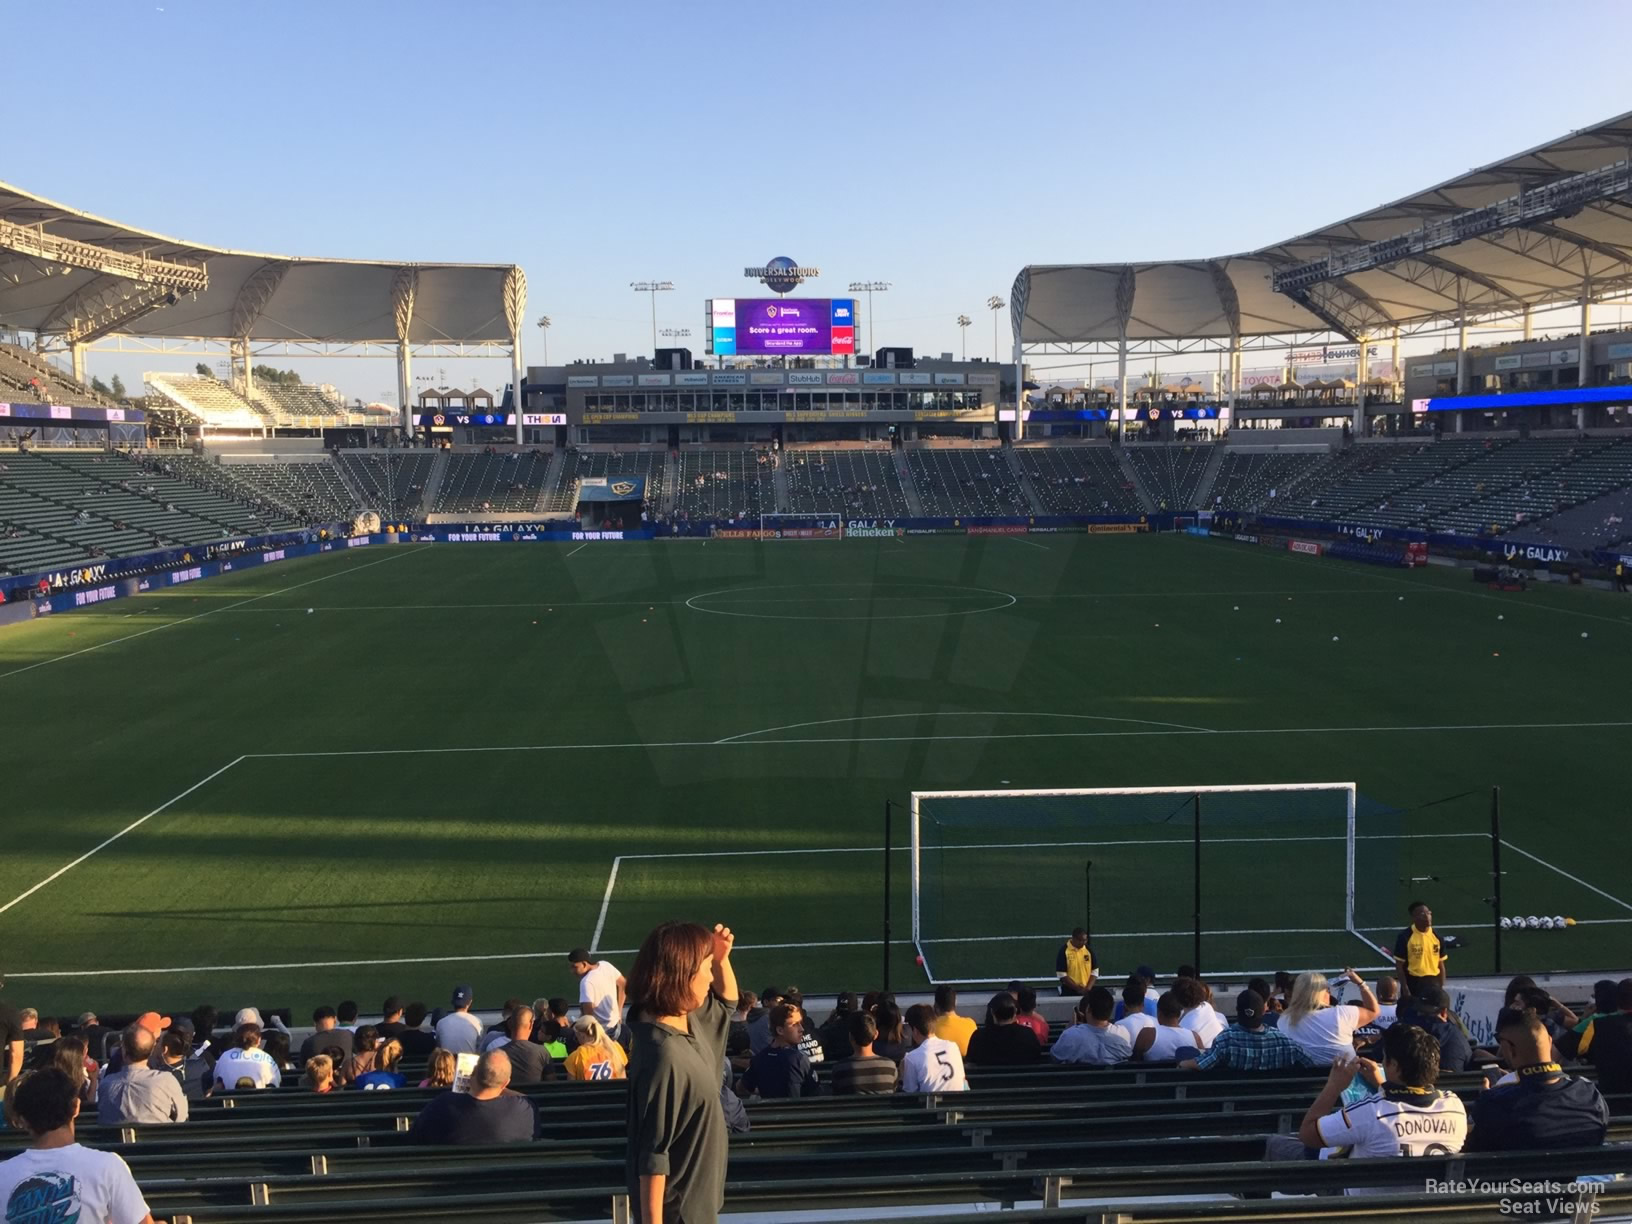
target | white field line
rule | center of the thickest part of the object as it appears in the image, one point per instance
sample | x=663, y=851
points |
x=1032, y=543
x=828, y=722
x=350, y=569
x=130, y=828
x=606, y=901
x=579, y=549
x=1536, y=858
x=1184, y=841
x=1037, y=597
x=643, y=745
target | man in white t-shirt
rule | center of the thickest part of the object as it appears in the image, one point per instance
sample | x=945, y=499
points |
x=460, y=1032
x=1406, y=1116
x=602, y=990
x=934, y=1064
x=56, y=1178
x=246, y=1065
x=1199, y=1015
x=1388, y=1002
x=1167, y=1040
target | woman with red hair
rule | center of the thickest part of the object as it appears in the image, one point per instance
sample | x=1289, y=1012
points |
x=682, y=992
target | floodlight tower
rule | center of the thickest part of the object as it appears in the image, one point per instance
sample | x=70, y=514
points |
x=653, y=287
x=870, y=288
x=544, y=330
x=963, y=333
x=995, y=304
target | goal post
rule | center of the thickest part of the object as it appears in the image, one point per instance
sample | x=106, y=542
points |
x=1238, y=880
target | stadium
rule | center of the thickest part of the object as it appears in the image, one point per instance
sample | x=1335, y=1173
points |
x=1300, y=607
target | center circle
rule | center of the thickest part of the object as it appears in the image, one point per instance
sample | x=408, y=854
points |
x=851, y=601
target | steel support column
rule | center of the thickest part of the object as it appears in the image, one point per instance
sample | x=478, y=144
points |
x=1358, y=424
x=1462, y=355
x=1583, y=367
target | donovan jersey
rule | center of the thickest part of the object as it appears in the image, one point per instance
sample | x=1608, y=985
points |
x=1399, y=1122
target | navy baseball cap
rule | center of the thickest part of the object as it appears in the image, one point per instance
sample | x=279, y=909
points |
x=462, y=995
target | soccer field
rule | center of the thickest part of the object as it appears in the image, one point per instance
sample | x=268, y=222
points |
x=466, y=759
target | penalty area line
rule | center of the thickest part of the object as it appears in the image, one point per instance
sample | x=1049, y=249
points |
x=130, y=828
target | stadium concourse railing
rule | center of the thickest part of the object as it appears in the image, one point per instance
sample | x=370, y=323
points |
x=1048, y=1133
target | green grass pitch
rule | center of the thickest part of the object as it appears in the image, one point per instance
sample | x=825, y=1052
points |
x=430, y=776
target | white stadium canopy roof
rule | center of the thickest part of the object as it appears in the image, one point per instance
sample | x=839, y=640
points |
x=72, y=277
x=1541, y=228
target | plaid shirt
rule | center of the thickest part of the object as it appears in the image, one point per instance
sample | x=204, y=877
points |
x=1265, y=1049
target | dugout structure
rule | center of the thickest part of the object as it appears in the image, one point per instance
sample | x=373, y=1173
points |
x=1237, y=880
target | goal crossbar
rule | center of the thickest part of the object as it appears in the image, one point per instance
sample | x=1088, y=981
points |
x=1348, y=790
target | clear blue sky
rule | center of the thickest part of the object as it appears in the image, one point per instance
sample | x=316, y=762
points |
x=939, y=146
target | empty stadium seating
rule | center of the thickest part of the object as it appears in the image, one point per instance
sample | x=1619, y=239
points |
x=965, y=480
x=207, y=401
x=293, y=494
x=28, y=376
x=562, y=496
x=1246, y=478
x=853, y=482
x=1078, y=480
x=724, y=484
x=106, y=505
x=390, y=481
x=1171, y=472
x=506, y=483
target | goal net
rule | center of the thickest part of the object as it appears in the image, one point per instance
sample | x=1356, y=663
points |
x=1238, y=880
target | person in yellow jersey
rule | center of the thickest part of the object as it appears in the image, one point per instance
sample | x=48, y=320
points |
x=1418, y=954
x=1074, y=966
x=948, y=1024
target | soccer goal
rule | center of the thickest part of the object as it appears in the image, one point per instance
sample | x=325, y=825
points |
x=1238, y=880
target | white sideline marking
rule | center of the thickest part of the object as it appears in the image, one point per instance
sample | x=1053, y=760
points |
x=647, y=603
x=131, y=827
x=1577, y=879
x=1022, y=540
x=921, y=739
x=827, y=722
x=350, y=569
x=579, y=549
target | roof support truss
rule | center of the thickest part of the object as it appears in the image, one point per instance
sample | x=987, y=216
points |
x=144, y=269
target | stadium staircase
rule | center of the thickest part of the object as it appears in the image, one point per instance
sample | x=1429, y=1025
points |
x=362, y=497
x=779, y=484
x=1209, y=477
x=1032, y=500
x=909, y=491
x=433, y=483
x=1147, y=503
x=671, y=483
x=552, y=477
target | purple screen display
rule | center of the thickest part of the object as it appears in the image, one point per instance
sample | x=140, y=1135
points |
x=784, y=325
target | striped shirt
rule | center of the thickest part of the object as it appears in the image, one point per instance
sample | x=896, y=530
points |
x=1264, y=1049
x=865, y=1075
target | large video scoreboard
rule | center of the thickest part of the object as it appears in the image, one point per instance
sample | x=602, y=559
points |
x=772, y=327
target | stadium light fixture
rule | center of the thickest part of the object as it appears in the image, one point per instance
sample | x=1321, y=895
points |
x=675, y=333
x=544, y=330
x=870, y=288
x=653, y=287
x=995, y=304
x=963, y=333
